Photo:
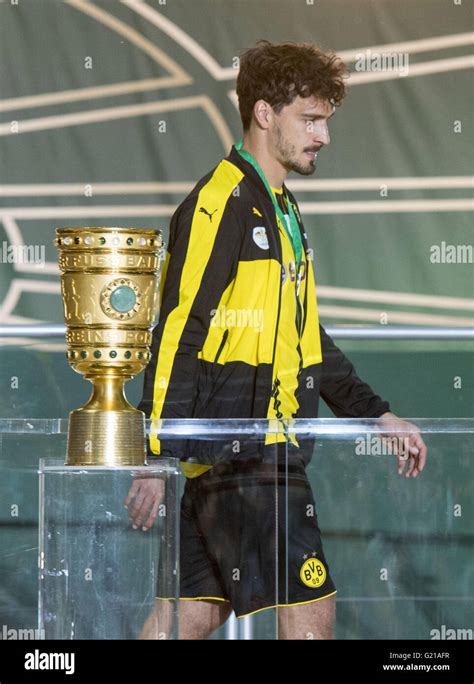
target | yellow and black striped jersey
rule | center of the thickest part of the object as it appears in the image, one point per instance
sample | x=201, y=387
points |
x=238, y=334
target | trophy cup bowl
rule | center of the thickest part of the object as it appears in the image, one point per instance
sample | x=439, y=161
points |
x=109, y=284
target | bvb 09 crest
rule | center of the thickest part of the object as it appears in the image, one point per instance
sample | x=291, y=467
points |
x=313, y=573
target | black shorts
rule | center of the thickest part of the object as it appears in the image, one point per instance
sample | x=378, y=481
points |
x=249, y=535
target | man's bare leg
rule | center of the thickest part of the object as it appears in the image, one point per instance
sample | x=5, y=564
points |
x=197, y=619
x=309, y=621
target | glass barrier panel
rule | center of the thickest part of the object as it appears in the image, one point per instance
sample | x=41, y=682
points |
x=264, y=520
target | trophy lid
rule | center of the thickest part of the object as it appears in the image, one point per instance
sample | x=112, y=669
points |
x=107, y=237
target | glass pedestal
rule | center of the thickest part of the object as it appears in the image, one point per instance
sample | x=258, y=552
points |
x=101, y=564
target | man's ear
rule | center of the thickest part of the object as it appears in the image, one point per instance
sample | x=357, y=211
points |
x=263, y=113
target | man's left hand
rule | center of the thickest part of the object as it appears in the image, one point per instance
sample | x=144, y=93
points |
x=413, y=452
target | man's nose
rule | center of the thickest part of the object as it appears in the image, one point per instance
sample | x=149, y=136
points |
x=324, y=137
x=321, y=135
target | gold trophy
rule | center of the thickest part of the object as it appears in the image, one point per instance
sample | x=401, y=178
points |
x=109, y=284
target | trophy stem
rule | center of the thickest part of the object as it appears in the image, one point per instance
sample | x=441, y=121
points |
x=108, y=393
x=107, y=430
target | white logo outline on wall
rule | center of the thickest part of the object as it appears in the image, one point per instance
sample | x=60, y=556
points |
x=259, y=236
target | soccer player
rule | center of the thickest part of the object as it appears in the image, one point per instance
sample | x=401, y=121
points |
x=239, y=337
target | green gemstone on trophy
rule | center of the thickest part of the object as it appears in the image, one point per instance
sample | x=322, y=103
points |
x=123, y=299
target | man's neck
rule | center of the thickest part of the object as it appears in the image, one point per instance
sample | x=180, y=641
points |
x=273, y=171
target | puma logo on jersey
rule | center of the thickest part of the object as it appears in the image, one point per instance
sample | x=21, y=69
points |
x=259, y=235
x=204, y=211
x=256, y=211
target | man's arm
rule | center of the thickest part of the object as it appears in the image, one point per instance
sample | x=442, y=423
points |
x=200, y=263
x=349, y=397
x=341, y=388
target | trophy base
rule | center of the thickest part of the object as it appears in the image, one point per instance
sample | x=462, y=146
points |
x=106, y=438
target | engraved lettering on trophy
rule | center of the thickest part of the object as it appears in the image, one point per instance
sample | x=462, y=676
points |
x=149, y=300
x=135, y=338
x=140, y=261
x=88, y=316
x=73, y=300
x=76, y=336
x=100, y=336
x=133, y=261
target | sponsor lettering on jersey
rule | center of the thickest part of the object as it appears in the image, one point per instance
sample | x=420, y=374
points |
x=290, y=271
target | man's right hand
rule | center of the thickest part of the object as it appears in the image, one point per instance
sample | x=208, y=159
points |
x=143, y=500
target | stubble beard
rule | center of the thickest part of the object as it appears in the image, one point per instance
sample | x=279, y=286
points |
x=287, y=156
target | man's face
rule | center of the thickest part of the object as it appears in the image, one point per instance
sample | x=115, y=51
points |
x=299, y=131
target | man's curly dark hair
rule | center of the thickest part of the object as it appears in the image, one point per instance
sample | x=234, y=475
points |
x=278, y=73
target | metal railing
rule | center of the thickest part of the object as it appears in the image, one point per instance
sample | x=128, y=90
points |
x=342, y=332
